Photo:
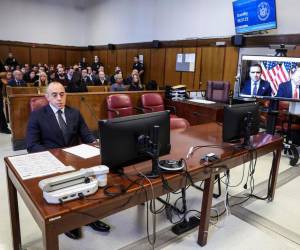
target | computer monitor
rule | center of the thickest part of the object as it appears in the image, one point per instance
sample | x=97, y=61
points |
x=120, y=138
x=254, y=15
x=240, y=121
x=270, y=77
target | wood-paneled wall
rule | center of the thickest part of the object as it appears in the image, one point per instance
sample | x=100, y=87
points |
x=212, y=63
x=42, y=54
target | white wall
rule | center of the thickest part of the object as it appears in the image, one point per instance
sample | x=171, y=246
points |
x=113, y=21
x=99, y=22
x=119, y=21
x=125, y=21
x=43, y=21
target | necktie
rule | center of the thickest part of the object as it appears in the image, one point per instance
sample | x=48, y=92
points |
x=296, y=94
x=62, y=125
x=255, y=88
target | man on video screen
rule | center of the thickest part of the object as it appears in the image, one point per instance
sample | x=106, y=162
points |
x=290, y=89
x=255, y=86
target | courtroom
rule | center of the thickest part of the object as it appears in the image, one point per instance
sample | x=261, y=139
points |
x=146, y=124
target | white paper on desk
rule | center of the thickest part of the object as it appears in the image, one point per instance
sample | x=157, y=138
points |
x=83, y=151
x=37, y=164
x=202, y=101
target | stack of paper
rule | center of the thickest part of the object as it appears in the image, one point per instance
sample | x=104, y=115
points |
x=83, y=151
x=38, y=164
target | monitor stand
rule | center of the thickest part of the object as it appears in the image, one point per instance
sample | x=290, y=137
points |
x=272, y=116
x=247, y=130
x=152, y=149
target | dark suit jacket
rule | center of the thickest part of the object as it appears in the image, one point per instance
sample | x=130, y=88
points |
x=263, y=90
x=64, y=80
x=87, y=81
x=11, y=62
x=96, y=65
x=43, y=131
x=13, y=83
x=285, y=90
x=75, y=87
x=99, y=83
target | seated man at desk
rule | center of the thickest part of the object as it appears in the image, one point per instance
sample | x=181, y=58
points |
x=290, y=89
x=256, y=86
x=57, y=126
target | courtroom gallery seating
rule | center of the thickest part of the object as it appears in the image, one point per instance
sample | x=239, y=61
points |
x=218, y=91
x=97, y=88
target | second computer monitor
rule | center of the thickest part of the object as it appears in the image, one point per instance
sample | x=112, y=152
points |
x=235, y=121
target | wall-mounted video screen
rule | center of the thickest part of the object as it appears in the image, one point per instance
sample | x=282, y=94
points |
x=270, y=76
x=254, y=15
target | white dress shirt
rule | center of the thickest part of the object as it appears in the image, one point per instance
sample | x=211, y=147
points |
x=56, y=115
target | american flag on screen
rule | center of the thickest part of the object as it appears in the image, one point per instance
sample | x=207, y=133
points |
x=276, y=73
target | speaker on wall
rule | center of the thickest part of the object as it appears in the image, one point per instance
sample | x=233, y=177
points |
x=90, y=47
x=155, y=44
x=111, y=46
x=238, y=40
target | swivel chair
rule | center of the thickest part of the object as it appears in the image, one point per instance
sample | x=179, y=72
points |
x=153, y=102
x=119, y=105
x=179, y=123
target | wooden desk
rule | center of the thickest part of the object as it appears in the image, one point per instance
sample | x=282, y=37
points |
x=56, y=219
x=197, y=113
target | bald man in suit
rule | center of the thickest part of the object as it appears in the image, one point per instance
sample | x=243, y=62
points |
x=55, y=126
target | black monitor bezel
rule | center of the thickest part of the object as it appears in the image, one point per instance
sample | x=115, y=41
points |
x=229, y=130
x=164, y=149
x=245, y=97
x=257, y=30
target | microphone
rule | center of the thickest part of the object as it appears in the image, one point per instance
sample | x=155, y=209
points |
x=91, y=109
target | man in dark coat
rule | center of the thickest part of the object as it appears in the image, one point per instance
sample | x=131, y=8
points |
x=255, y=86
x=290, y=89
x=55, y=126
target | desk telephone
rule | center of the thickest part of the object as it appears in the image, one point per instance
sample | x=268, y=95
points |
x=74, y=185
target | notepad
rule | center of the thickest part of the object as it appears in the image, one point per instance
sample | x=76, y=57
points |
x=202, y=101
x=83, y=151
x=38, y=164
